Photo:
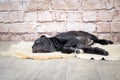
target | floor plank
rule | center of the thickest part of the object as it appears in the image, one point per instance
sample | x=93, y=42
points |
x=108, y=70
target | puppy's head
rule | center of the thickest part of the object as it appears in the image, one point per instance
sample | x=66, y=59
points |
x=41, y=45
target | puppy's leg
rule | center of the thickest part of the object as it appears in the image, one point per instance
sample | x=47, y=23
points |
x=95, y=50
x=69, y=46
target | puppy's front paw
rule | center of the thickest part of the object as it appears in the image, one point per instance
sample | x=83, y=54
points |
x=77, y=51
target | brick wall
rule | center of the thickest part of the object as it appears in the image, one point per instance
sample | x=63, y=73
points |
x=29, y=19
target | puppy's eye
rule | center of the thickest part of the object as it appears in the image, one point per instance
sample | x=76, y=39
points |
x=37, y=41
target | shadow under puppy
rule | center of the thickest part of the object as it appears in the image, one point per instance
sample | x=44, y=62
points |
x=69, y=42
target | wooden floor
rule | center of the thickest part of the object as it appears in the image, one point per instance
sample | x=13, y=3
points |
x=58, y=69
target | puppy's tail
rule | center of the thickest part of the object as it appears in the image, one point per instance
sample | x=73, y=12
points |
x=104, y=42
x=101, y=41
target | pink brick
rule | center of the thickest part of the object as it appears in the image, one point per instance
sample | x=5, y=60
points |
x=64, y=4
x=90, y=27
x=16, y=5
x=33, y=5
x=16, y=37
x=115, y=26
x=116, y=37
x=20, y=15
x=10, y=5
x=116, y=15
x=4, y=37
x=30, y=36
x=4, y=17
x=60, y=15
x=7, y=5
x=44, y=4
x=4, y=27
x=51, y=27
x=77, y=26
x=109, y=4
x=117, y=4
x=21, y=28
x=30, y=16
x=93, y=4
x=97, y=4
x=103, y=27
x=89, y=16
x=40, y=28
x=105, y=15
x=38, y=5
x=105, y=36
x=80, y=4
x=56, y=27
x=45, y=16
x=74, y=16
x=15, y=16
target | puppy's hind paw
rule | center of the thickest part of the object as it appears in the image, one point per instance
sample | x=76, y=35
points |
x=110, y=42
x=105, y=53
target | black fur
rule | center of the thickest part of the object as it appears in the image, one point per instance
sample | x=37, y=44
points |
x=69, y=42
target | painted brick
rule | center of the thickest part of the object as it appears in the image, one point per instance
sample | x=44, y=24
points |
x=21, y=28
x=116, y=15
x=45, y=16
x=5, y=5
x=97, y=4
x=56, y=27
x=51, y=27
x=77, y=26
x=30, y=36
x=20, y=16
x=10, y=5
x=15, y=16
x=16, y=5
x=117, y=4
x=16, y=37
x=4, y=17
x=115, y=26
x=103, y=27
x=4, y=27
x=40, y=28
x=33, y=5
x=44, y=4
x=74, y=16
x=80, y=4
x=109, y=4
x=116, y=37
x=90, y=27
x=104, y=15
x=64, y=4
x=93, y=4
x=59, y=15
x=38, y=5
x=89, y=16
x=30, y=16
x=105, y=36
x=4, y=37
x=3, y=0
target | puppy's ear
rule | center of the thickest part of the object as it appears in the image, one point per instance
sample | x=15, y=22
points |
x=43, y=36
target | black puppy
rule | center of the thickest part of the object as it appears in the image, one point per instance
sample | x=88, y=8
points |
x=69, y=42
